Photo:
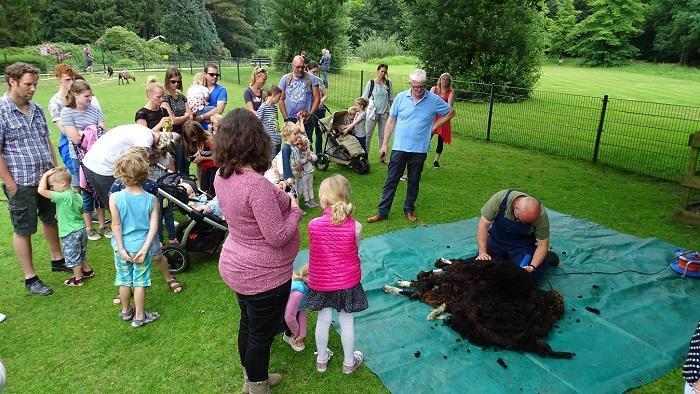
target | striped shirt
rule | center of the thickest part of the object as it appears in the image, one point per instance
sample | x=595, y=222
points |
x=268, y=116
x=25, y=142
x=79, y=119
x=691, y=368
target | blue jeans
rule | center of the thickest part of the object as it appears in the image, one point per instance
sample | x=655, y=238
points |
x=182, y=165
x=324, y=77
x=399, y=162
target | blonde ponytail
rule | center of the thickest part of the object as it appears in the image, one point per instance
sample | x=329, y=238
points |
x=334, y=193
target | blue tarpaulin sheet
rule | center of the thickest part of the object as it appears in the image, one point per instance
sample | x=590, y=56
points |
x=642, y=331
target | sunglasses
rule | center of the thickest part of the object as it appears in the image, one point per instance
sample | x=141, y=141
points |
x=260, y=70
x=173, y=81
x=214, y=75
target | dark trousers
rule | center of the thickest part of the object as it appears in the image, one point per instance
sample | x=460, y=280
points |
x=206, y=183
x=100, y=184
x=182, y=165
x=319, y=114
x=400, y=161
x=440, y=143
x=262, y=315
x=363, y=143
x=517, y=255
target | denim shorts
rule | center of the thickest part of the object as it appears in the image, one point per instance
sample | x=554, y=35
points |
x=74, y=246
x=132, y=274
x=25, y=206
x=74, y=173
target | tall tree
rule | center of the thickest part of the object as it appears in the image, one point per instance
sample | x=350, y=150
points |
x=677, y=24
x=382, y=17
x=231, y=25
x=310, y=25
x=561, y=34
x=79, y=21
x=18, y=23
x=603, y=38
x=189, y=26
x=478, y=40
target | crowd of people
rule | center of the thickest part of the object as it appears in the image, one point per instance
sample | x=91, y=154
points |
x=254, y=169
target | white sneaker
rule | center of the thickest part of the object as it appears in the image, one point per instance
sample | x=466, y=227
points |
x=2, y=317
x=290, y=342
x=93, y=235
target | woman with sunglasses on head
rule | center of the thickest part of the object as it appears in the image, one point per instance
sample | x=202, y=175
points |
x=176, y=104
x=254, y=95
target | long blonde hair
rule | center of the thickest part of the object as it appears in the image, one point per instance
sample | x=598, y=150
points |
x=334, y=193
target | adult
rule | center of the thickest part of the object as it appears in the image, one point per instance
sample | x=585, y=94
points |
x=27, y=153
x=325, y=63
x=321, y=111
x=515, y=226
x=152, y=114
x=78, y=114
x=444, y=132
x=175, y=103
x=303, y=55
x=262, y=243
x=87, y=54
x=300, y=95
x=218, y=96
x=254, y=95
x=65, y=75
x=413, y=116
x=381, y=94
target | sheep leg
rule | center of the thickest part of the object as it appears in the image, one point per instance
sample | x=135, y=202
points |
x=392, y=290
x=437, y=312
x=404, y=283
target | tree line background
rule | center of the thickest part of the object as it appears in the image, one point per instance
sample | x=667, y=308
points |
x=478, y=40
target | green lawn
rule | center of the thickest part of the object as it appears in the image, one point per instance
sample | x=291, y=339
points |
x=74, y=341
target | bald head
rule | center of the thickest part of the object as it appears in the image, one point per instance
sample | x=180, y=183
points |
x=526, y=209
x=298, y=66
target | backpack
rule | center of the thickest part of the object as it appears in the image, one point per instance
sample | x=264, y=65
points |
x=307, y=78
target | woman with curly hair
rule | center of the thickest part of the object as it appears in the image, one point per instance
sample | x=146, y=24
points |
x=256, y=260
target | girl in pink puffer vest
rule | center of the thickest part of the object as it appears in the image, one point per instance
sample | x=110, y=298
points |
x=334, y=272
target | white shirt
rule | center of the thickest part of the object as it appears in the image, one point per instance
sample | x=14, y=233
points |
x=106, y=150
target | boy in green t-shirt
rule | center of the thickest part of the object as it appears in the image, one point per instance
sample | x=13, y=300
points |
x=55, y=185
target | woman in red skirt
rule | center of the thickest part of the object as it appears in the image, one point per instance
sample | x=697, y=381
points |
x=444, y=132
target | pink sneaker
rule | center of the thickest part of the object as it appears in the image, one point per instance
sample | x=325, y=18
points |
x=321, y=366
x=356, y=362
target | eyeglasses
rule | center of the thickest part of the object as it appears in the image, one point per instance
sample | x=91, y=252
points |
x=418, y=87
x=217, y=75
x=174, y=81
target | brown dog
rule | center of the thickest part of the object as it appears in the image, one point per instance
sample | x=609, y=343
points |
x=124, y=77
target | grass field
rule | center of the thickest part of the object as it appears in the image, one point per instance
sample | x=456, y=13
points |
x=73, y=340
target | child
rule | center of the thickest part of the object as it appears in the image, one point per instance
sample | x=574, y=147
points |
x=267, y=113
x=160, y=162
x=215, y=120
x=295, y=312
x=306, y=179
x=198, y=146
x=357, y=126
x=334, y=271
x=691, y=368
x=55, y=185
x=285, y=166
x=198, y=94
x=201, y=203
x=134, y=225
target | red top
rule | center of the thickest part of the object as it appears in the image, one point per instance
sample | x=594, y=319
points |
x=207, y=164
x=445, y=131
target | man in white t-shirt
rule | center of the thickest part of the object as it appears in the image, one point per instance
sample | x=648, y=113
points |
x=99, y=161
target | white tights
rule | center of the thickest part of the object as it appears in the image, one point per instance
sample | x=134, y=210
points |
x=347, y=334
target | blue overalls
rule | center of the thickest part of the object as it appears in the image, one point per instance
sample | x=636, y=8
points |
x=513, y=239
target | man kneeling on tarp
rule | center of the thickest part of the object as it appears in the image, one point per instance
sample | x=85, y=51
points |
x=515, y=226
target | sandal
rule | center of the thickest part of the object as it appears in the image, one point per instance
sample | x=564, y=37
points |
x=116, y=300
x=174, y=285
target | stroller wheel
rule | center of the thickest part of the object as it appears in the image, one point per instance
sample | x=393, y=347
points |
x=177, y=258
x=322, y=162
x=361, y=166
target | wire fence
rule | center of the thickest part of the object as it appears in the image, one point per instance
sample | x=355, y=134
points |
x=642, y=137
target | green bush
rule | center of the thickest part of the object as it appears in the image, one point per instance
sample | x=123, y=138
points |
x=395, y=60
x=374, y=46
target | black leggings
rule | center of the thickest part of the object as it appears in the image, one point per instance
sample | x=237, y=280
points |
x=438, y=150
x=207, y=181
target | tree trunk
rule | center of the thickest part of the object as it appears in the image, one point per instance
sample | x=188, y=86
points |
x=685, y=52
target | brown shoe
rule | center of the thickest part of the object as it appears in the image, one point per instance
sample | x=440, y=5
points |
x=376, y=218
x=411, y=218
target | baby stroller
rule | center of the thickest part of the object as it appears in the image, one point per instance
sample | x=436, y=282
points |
x=202, y=232
x=341, y=149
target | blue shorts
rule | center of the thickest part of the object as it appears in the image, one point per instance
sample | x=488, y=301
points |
x=132, y=274
x=74, y=247
x=74, y=172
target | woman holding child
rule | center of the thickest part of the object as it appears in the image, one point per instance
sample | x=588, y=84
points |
x=263, y=240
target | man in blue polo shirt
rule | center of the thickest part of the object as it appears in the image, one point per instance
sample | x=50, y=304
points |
x=413, y=113
x=217, y=94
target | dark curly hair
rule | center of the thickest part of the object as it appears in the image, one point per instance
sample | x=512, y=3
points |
x=241, y=141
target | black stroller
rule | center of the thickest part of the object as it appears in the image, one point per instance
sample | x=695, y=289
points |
x=202, y=232
x=341, y=149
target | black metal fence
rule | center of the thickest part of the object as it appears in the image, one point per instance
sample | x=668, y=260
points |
x=642, y=137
